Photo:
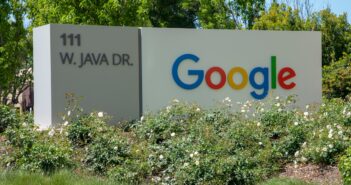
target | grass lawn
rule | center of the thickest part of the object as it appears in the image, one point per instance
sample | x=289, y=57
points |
x=60, y=178
x=69, y=178
x=285, y=181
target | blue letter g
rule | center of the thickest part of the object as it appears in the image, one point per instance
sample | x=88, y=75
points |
x=199, y=73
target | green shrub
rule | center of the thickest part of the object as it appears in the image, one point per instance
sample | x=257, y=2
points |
x=131, y=171
x=46, y=157
x=105, y=152
x=84, y=129
x=37, y=151
x=337, y=78
x=8, y=117
x=345, y=166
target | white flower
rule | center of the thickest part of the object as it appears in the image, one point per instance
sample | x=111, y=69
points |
x=348, y=114
x=196, y=153
x=305, y=113
x=160, y=157
x=296, y=153
x=330, y=146
x=186, y=164
x=198, y=110
x=175, y=101
x=277, y=98
x=141, y=118
x=65, y=123
x=228, y=99
x=24, y=124
x=296, y=123
x=303, y=159
x=168, y=108
x=242, y=110
x=172, y=134
x=340, y=132
x=262, y=109
x=325, y=149
x=197, y=163
x=115, y=148
x=260, y=143
x=51, y=133
x=258, y=124
x=191, y=155
x=69, y=113
x=339, y=127
x=279, y=110
x=304, y=145
x=307, y=106
x=330, y=135
x=328, y=127
x=100, y=114
x=277, y=104
x=295, y=164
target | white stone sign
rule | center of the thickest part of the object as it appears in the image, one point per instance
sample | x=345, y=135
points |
x=98, y=63
x=206, y=66
x=126, y=71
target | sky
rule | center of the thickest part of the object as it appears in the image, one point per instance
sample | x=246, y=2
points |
x=337, y=6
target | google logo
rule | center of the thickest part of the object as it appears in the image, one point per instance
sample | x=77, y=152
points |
x=282, y=77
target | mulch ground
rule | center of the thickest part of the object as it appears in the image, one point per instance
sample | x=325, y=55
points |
x=324, y=175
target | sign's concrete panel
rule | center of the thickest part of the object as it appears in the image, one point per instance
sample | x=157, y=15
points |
x=98, y=63
x=206, y=66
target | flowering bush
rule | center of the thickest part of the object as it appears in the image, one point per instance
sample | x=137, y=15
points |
x=345, y=166
x=82, y=130
x=106, y=152
x=37, y=151
x=8, y=117
x=185, y=144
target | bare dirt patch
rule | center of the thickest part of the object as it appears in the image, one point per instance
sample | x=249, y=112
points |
x=324, y=175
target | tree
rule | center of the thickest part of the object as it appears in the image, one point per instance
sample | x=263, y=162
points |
x=279, y=17
x=98, y=12
x=247, y=10
x=15, y=51
x=216, y=14
x=173, y=13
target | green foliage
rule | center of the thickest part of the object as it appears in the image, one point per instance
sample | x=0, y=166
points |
x=36, y=151
x=328, y=135
x=247, y=10
x=8, y=117
x=336, y=38
x=45, y=157
x=184, y=144
x=345, y=166
x=15, y=52
x=279, y=17
x=215, y=14
x=85, y=129
x=337, y=79
x=335, y=29
x=173, y=13
x=122, y=13
x=106, y=152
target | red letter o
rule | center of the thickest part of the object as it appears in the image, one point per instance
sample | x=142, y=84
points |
x=209, y=74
